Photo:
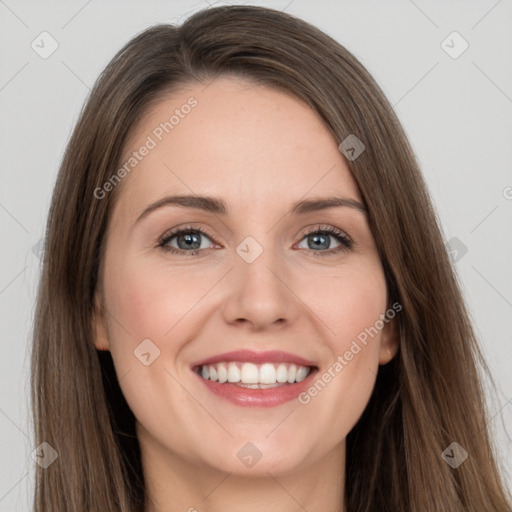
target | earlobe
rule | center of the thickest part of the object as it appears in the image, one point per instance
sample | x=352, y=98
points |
x=388, y=342
x=99, y=327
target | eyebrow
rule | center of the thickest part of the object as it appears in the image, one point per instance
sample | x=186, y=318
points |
x=219, y=207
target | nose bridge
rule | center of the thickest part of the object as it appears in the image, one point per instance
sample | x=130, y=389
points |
x=257, y=263
x=257, y=290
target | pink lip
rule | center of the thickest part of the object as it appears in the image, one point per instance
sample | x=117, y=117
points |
x=247, y=397
x=271, y=356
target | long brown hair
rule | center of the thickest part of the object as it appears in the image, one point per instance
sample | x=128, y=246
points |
x=430, y=395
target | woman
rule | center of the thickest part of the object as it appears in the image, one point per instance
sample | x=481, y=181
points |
x=301, y=355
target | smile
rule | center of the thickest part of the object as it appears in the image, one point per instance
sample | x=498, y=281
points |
x=254, y=376
x=255, y=379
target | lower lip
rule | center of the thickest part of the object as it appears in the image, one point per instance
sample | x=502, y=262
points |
x=247, y=397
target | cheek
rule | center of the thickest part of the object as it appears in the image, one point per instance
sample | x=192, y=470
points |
x=349, y=305
x=358, y=313
x=150, y=300
x=352, y=310
x=150, y=309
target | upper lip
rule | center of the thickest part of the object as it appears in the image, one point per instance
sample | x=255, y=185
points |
x=270, y=356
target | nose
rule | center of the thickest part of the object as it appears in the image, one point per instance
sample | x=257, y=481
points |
x=259, y=293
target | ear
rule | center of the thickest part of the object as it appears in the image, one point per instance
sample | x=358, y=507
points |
x=388, y=342
x=99, y=327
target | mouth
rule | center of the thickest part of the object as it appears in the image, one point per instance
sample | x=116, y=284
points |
x=256, y=379
x=254, y=376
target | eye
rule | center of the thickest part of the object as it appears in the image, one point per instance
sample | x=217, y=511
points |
x=184, y=241
x=319, y=239
x=189, y=241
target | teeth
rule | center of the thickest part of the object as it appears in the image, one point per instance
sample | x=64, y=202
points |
x=222, y=372
x=233, y=373
x=250, y=386
x=282, y=373
x=249, y=374
x=268, y=374
x=292, y=373
x=302, y=373
x=253, y=376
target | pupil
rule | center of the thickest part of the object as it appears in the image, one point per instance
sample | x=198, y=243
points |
x=189, y=239
x=317, y=244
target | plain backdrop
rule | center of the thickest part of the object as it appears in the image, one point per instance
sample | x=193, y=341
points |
x=455, y=104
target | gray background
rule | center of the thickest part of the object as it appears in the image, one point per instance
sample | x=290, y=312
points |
x=456, y=111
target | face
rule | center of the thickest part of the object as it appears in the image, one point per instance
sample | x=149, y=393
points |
x=246, y=332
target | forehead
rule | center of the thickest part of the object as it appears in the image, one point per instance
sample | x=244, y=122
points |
x=249, y=144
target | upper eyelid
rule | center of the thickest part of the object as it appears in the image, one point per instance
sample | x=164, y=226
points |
x=171, y=233
x=325, y=227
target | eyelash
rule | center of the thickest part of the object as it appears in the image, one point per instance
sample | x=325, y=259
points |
x=345, y=242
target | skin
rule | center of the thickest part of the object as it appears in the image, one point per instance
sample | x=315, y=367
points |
x=259, y=150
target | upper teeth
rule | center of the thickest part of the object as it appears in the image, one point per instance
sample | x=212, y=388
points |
x=250, y=373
